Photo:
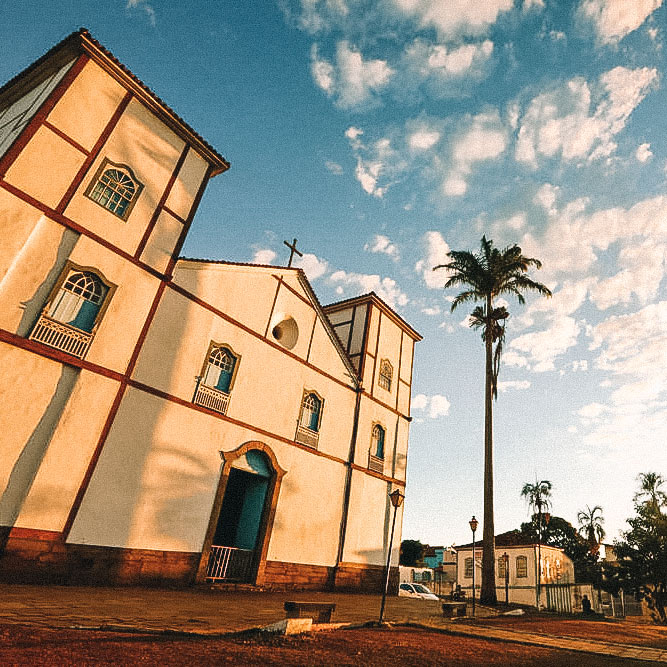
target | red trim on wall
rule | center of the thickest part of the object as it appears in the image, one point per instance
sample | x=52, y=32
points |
x=291, y=289
x=92, y=464
x=66, y=222
x=65, y=137
x=34, y=534
x=173, y=214
x=312, y=335
x=364, y=342
x=273, y=305
x=92, y=156
x=47, y=106
x=158, y=209
x=188, y=222
x=375, y=357
x=57, y=355
x=385, y=478
x=398, y=374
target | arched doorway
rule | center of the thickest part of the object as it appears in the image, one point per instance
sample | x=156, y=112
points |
x=242, y=518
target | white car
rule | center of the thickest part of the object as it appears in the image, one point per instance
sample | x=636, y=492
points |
x=416, y=591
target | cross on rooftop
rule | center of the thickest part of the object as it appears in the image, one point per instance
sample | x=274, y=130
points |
x=293, y=251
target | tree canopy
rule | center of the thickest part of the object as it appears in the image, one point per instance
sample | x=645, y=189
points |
x=412, y=553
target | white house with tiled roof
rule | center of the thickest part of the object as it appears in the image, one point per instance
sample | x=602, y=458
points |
x=166, y=420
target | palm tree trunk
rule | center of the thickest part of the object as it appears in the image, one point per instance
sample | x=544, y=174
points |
x=488, y=592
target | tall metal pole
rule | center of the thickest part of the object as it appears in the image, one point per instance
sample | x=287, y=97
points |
x=396, y=498
x=473, y=527
x=539, y=551
x=506, y=558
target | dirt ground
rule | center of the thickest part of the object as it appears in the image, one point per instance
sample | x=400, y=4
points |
x=29, y=645
x=603, y=629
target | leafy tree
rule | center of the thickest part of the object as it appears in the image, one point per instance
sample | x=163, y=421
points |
x=650, y=483
x=412, y=553
x=590, y=525
x=642, y=552
x=486, y=275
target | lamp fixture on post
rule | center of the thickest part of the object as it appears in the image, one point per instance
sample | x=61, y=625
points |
x=473, y=526
x=396, y=498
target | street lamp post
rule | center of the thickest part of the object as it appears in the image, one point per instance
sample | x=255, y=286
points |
x=473, y=526
x=506, y=560
x=396, y=498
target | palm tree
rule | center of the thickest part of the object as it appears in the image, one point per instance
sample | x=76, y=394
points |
x=485, y=275
x=650, y=483
x=590, y=525
x=538, y=495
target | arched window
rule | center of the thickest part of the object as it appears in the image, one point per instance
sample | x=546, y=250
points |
x=377, y=441
x=220, y=369
x=468, y=568
x=79, y=299
x=521, y=566
x=115, y=188
x=73, y=311
x=502, y=567
x=311, y=409
x=386, y=373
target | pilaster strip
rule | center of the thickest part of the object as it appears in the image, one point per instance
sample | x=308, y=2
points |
x=92, y=156
x=161, y=204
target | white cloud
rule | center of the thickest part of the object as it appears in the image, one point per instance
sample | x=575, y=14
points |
x=423, y=139
x=532, y=4
x=385, y=288
x=375, y=161
x=509, y=385
x=538, y=350
x=312, y=266
x=435, y=253
x=334, y=167
x=263, y=256
x=561, y=122
x=383, y=245
x=145, y=6
x=436, y=405
x=546, y=196
x=352, y=81
x=614, y=19
x=484, y=139
x=644, y=153
x=643, y=268
x=454, y=17
x=435, y=310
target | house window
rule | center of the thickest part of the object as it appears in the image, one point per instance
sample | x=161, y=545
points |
x=115, y=188
x=386, y=373
x=308, y=426
x=468, y=568
x=376, y=453
x=502, y=567
x=377, y=441
x=73, y=311
x=521, y=566
x=217, y=378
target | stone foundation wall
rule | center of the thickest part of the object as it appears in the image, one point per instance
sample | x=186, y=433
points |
x=32, y=556
x=41, y=557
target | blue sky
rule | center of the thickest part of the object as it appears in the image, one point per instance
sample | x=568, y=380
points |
x=382, y=135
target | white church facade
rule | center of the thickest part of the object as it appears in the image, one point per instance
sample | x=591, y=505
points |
x=167, y=420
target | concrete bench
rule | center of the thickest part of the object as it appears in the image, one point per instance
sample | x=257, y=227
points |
x=451, y=609
x=320, y=612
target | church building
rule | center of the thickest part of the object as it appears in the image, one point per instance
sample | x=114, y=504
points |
x=171, y=420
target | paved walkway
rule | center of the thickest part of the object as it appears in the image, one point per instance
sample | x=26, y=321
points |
x=213, y=612
x=643, y=653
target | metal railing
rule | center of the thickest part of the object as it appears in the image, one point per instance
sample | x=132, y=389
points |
x=61, y=336
x=306, y=437
x=229, y=564
x=375, y=463
x=213, y=399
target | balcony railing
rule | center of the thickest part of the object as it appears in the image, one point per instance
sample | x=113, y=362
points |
x=213, y=399
x=375, y=463
x=306, y=437
x=229, y=564
x=61, y=336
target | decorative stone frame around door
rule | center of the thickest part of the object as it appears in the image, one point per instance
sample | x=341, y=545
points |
x=268, y=513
